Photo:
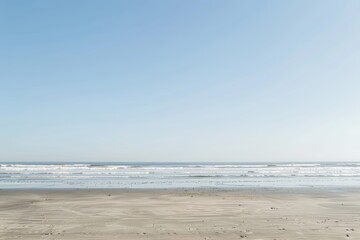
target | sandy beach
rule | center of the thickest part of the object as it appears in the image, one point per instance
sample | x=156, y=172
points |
x=178, y=214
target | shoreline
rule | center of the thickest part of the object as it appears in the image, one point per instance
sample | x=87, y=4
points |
x=195, y=189
x=180, y=175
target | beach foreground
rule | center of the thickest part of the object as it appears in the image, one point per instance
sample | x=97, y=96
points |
x=179, y=214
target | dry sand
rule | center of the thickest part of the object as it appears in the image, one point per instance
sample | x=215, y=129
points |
x=162, y=214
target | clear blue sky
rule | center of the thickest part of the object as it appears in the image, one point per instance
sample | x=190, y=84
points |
x=177, y=80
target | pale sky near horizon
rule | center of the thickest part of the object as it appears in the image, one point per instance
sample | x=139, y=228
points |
x=177, y=80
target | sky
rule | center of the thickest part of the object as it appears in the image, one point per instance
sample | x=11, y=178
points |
x=180, y=80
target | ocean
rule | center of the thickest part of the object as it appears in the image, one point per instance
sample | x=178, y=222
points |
x=178, y=175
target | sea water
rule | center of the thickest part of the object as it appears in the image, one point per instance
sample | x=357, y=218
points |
x=179, y=175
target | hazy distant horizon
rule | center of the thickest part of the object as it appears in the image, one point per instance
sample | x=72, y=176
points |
x=180, y=81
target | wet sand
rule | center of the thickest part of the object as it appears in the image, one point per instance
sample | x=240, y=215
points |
x=179, y=214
